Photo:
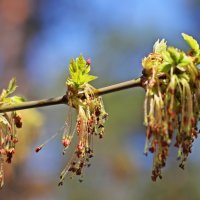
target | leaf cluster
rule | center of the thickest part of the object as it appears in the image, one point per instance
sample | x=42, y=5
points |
x=172, y=101
x=164, y=58
x=8, y=124
x=79, y=72
x=5, y=95
x=192, y=43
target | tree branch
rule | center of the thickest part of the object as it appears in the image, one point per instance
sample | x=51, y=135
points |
x=63, y=99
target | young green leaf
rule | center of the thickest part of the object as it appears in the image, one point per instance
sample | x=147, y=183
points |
x=12, y=86
x=79, y=72
x=87, y=78
x=17, y=99
x=72, y=66
x=4, y=120
x=164, y=67
x=81, y=63
x=175, y=54
x=160, y=46
x=191, y=41
x=167, y=57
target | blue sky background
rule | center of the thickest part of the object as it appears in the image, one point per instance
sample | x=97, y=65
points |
x=70, y=28
x=116, y=35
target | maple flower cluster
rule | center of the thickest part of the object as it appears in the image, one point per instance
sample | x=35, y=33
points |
x=90, y=120
x=9, y=122
x=171, y=78
x=91, y=117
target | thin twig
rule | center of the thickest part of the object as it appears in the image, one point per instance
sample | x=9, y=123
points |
x=120, y=86
x=64, y=100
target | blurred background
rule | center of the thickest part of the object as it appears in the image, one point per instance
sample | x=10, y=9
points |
x=37, y=40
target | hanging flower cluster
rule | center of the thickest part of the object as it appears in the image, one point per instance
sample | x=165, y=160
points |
x=91, y=116
x=9, y=122
x=171, y=78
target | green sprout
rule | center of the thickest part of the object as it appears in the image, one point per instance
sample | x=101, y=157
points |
x=171, y=79
x=79, y=72
x=172, y=83
x=91, y=117
x=9, y=122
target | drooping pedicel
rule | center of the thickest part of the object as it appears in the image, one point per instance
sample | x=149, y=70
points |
x=172, y=102
x=91, y=117
x=9, y=122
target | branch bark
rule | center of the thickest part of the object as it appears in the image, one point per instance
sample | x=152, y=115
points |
x=63, y=99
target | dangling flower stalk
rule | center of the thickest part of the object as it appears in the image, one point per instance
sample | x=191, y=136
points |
x=91, y=116
x=171, y=79
x=9, y=122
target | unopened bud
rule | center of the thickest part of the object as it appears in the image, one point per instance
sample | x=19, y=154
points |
x=37, y=149
x=88, y=61
x=66, y=142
